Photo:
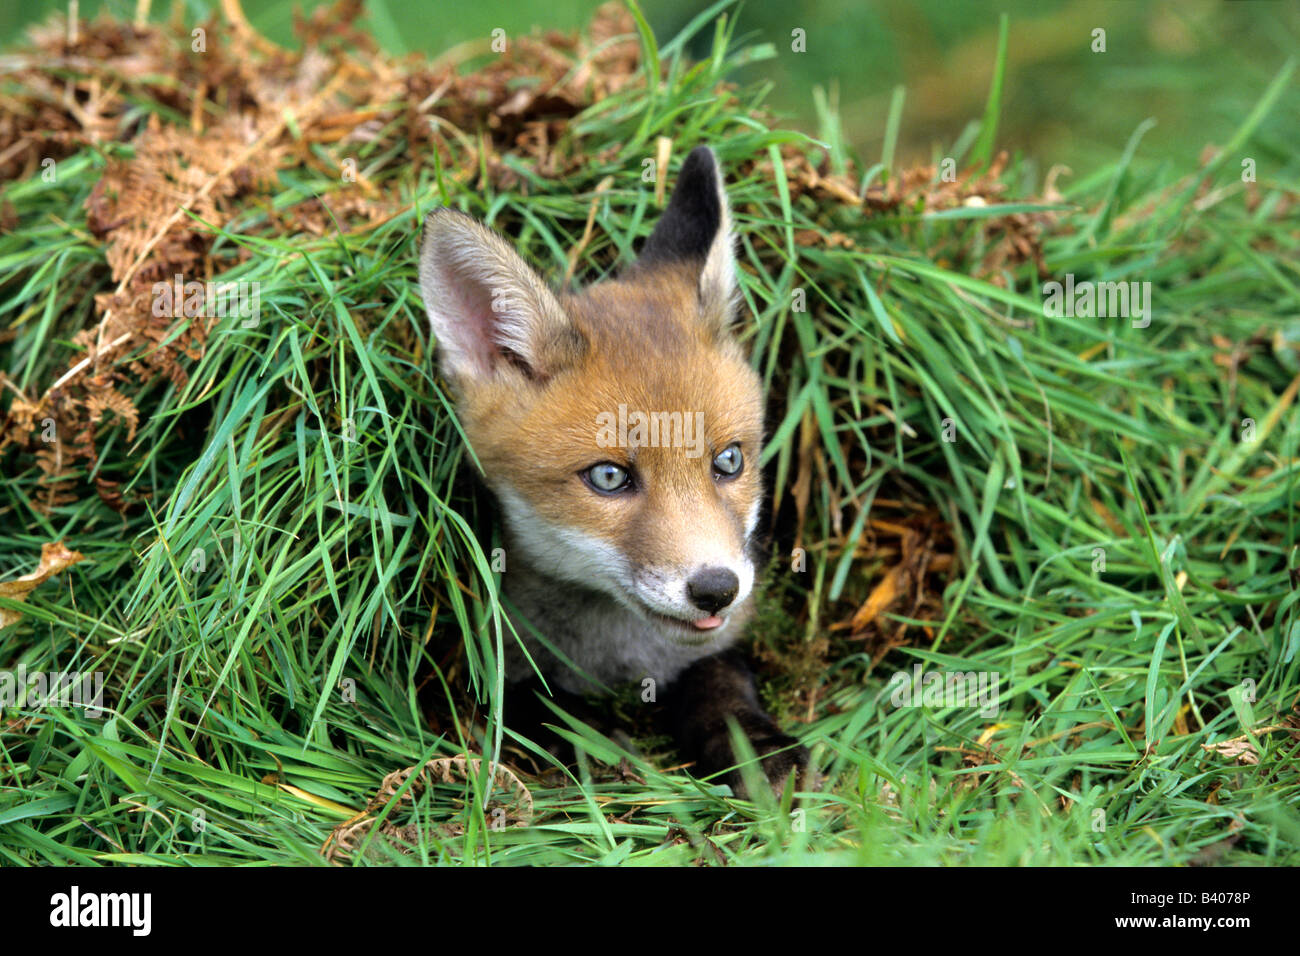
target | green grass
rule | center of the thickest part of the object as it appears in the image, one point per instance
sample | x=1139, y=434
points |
x=305, y=543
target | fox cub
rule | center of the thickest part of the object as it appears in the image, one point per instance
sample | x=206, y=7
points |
x=620, y=429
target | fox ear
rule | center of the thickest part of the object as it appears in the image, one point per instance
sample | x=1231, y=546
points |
x=486, y=305
x=696, y=227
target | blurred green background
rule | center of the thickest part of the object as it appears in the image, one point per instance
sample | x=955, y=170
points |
x=1196, y=66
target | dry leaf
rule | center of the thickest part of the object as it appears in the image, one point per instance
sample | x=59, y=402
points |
x=1239, y=747
x=881, y=597
x=55, y=556
x=515, y=811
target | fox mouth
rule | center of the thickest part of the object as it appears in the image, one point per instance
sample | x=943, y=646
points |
x=692, y=630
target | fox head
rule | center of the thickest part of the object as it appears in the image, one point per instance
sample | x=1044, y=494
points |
x=621, y=427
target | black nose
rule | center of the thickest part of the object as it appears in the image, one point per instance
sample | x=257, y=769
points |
x=712, y=589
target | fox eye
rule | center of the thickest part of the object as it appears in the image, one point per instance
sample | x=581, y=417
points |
x=729, y=462
x=607, y=477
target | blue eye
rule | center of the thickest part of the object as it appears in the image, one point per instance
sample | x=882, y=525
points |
x=729, y=462
x=607, y=477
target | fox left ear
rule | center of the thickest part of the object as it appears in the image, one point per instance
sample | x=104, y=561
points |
x=488, y=309
x=696, y=228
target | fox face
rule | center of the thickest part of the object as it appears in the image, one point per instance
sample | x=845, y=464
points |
x=620, y=428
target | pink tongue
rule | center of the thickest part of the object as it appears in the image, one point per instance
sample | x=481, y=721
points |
x=707, y=623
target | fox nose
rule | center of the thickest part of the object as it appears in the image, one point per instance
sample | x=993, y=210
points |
x=712, y=589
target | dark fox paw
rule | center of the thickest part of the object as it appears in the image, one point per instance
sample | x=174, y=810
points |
x=780, y=756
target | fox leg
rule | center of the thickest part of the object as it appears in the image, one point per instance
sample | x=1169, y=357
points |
x=527, y=715
x=700, y=701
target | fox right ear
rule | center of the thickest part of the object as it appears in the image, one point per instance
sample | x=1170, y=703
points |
x=696, y=228
x=488, y=309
